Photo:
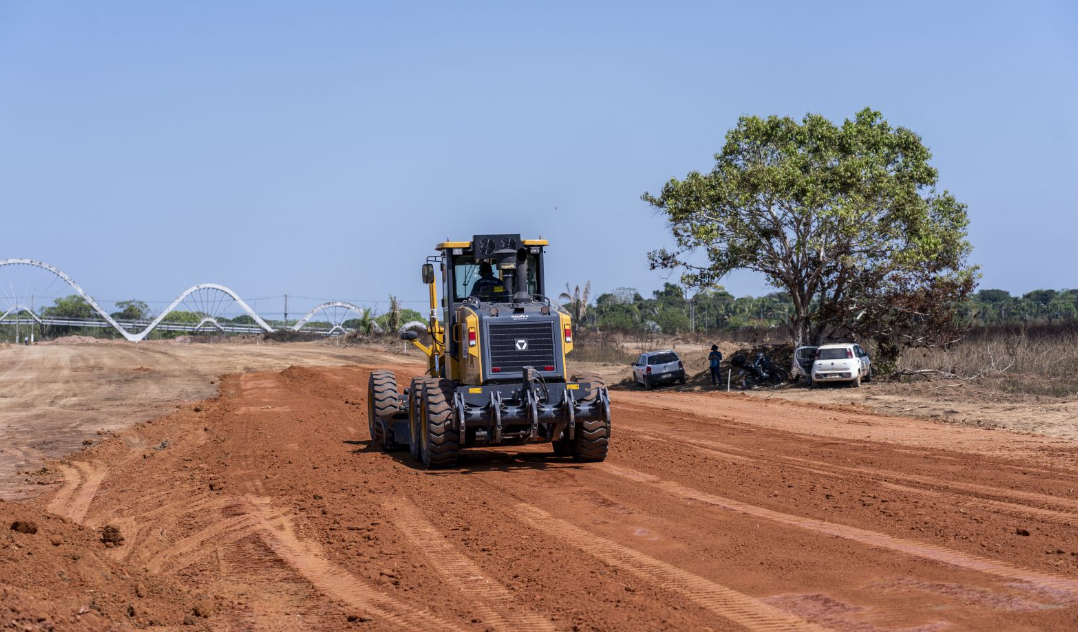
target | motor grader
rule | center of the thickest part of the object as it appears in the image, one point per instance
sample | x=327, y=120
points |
x=496, y=363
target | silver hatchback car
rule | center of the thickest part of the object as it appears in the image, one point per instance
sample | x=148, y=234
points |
x=658, y=367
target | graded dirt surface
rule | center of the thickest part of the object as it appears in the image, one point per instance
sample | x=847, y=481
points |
x=267, y=509
x=53, y=397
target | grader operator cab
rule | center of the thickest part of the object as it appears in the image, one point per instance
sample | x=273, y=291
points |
x=496, y=363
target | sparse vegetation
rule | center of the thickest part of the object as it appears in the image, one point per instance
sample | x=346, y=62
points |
x=1023, y=360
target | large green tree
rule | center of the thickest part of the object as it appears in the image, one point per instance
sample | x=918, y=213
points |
x=846, y=219
x=72, y=306
x=132, y=310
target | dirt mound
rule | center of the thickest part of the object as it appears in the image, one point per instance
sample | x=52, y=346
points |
x=60, y=575
x=78, y=340
x=300, y=375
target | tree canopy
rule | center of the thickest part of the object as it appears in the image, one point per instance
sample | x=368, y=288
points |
x=845, y=219
x=72, y=306
x=132, y=310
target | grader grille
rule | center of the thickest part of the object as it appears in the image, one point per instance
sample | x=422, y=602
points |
x=514, y=346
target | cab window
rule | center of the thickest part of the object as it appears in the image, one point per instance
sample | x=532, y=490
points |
x=483, y=280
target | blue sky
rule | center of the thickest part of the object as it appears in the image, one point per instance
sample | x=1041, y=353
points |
x=322, y=148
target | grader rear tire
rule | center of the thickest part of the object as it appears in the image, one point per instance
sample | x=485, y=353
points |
x=440, y=445
x=382, y=403
x=592, y=440
x=415, y=416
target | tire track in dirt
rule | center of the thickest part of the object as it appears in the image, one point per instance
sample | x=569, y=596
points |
x=332, y=580
x=904, y=477
x=463, y=574
x=747, y=612
x=836, y=471
x=84, y=496
x=80, y=486
x=932, y=552
x=187, y=551
x=62, y=498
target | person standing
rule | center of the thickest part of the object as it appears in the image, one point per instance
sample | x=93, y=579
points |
x=714, y=359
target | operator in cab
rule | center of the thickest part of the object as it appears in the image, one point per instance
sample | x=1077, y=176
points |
x=487, y=284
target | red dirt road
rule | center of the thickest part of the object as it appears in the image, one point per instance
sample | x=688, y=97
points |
x=713, y=511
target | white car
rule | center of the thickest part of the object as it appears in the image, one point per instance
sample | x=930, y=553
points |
x=845, y=362
x=658, y=367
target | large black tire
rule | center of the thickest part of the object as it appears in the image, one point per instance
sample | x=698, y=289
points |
x=868, y=376
x=415, y=416
x=748, y=383
x=779, y=377
x=856, y=383
x=592, y=440
x=383, y=402
x=440, y=444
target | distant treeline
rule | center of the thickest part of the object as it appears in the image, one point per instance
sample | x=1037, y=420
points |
x=671, y=310
x=668, y=310
x=74, y=307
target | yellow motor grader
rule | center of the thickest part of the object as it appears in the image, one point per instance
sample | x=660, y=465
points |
x=496, y=363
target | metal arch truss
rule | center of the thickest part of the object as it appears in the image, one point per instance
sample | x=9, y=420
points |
x=335, y=312
x=21, y=309
x=202, y=290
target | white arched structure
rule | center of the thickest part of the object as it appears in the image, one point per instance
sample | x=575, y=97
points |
x=207, y=309
x=206, y=317
x=209, y=321
x=20, y=308
x=334, y=313
x=75, y=286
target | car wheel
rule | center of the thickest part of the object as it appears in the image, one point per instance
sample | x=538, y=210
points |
x=868, y=376
x=857, y=381
x=647, y=384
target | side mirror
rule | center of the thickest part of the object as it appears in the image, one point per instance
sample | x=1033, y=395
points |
x=428, y=273
x=409, y=336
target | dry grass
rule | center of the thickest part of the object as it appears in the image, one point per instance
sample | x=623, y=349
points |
x=1040, y=360
x=604, y=348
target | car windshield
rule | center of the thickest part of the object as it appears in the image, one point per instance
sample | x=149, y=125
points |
x=662, y=358
x=484, y=281
x=833, y=354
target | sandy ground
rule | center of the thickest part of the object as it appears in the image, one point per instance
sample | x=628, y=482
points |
x=54, y=397
x=266, y=508
x=952, y=401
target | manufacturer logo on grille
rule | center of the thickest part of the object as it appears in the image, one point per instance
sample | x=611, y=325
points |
x=522, y=345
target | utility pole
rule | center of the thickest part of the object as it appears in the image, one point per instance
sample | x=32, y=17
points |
x=286, y=310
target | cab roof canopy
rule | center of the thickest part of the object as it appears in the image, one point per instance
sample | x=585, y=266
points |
x=487, y=244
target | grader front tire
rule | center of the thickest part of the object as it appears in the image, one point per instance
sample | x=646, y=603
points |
x=440, y=445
